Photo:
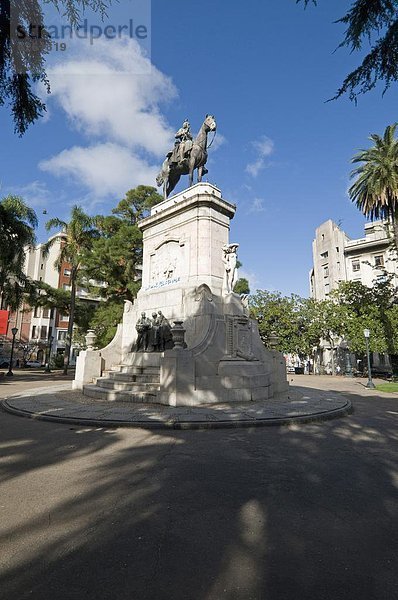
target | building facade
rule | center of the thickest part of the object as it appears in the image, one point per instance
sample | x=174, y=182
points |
x=337, y=258
x=42, y=330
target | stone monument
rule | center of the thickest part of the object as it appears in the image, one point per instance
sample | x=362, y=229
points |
x=187, y=339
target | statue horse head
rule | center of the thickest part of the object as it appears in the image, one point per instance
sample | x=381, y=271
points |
x=210, y=123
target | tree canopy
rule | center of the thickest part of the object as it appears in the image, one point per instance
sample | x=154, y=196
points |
x=375, y=189
x=78, y=236
x=369, y=24
x=22, y=64
x=116, y=255
x=17, y=224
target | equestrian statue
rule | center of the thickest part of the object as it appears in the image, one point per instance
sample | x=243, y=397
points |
x=187, y=155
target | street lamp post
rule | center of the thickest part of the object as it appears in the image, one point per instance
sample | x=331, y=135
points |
x=370, y=383
x=348, y=366
x=14, y=332
x=48, y=356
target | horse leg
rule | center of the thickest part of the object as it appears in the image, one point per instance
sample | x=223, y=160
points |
x=200, y=173
x=192, y=165
x=172, y=182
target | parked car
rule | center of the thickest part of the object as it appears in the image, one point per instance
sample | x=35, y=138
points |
x=34, y=364
x=290, y=369
x=4, y=363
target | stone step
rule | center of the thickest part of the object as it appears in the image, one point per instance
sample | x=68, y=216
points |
x=99, y=393
x=127, y=377
x=138, y=370
x=128, y=386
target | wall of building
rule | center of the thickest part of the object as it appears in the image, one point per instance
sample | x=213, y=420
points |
x=338, y=258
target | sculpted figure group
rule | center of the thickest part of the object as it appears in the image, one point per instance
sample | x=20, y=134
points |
x=154, y=335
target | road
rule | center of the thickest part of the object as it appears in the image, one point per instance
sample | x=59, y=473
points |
x=278, y=513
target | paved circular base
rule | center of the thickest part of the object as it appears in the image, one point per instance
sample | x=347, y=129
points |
x=62, y=405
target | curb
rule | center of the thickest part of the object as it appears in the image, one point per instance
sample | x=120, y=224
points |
x=183, y=425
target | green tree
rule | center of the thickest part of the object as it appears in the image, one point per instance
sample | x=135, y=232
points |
x=373, y=308
x=375, y=190
x=79, y=234
x=373, y=22
x=17, y=224
x=105, y=320
x=242, y=286
x=116, y=256
x=22, y=62
x=279, y=314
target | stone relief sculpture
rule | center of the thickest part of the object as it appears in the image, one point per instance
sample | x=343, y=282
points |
x=230, y=258
x=154, y=335
x=165, y=335
x=143, y=328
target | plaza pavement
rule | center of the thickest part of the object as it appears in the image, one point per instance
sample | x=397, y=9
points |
x=59, y=403
x=304, y=511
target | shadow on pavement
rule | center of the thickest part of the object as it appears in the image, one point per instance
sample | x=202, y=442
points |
x=307, y=511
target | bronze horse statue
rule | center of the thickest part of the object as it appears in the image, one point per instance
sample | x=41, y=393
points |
x=197, y=159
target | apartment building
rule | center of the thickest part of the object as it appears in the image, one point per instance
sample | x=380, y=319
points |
x=44, y=328
x=337, y=258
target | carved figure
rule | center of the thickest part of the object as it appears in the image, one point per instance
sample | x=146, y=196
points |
x=143, y=328
x=155, y=334
x=168, y=272
x=230, y=258
x=165, y=335
x=183, y=143
x=187, y=156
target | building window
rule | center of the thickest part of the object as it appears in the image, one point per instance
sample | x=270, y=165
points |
x=64, y=318
x=34, y=332
x=337, y=249
x=66, y=287
x=42, y=266
x=61, y=335
x=356, y=266
x=46, y=313
x=43, y=332
x=326, y=271
x=52, y=313
x=67, y=272
x=324, y=254
x=379, y=261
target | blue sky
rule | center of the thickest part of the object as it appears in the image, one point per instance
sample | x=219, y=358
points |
x=265, y=70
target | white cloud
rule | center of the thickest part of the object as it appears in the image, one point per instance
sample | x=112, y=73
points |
x=264, y=148
x=113, y=96
x=104, y=169
x=257, y=205
x=103, y=95
x=35, y=193
x=252, y=278
x=219, y=140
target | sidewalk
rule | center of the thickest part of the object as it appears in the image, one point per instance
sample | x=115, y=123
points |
x=50, y=397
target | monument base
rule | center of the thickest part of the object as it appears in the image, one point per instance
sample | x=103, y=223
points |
x=188, y=274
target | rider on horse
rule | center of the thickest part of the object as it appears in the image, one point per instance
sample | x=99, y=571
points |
x=183, y=143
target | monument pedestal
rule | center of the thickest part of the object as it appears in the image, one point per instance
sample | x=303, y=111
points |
x=184, y=277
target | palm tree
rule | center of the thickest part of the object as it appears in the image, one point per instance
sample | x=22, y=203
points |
x=77, y=237
x=375, y=190
x=17, y=224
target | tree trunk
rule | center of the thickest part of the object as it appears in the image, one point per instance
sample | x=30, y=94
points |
x=69, y=335
x=333, y=361
x=394, y=221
